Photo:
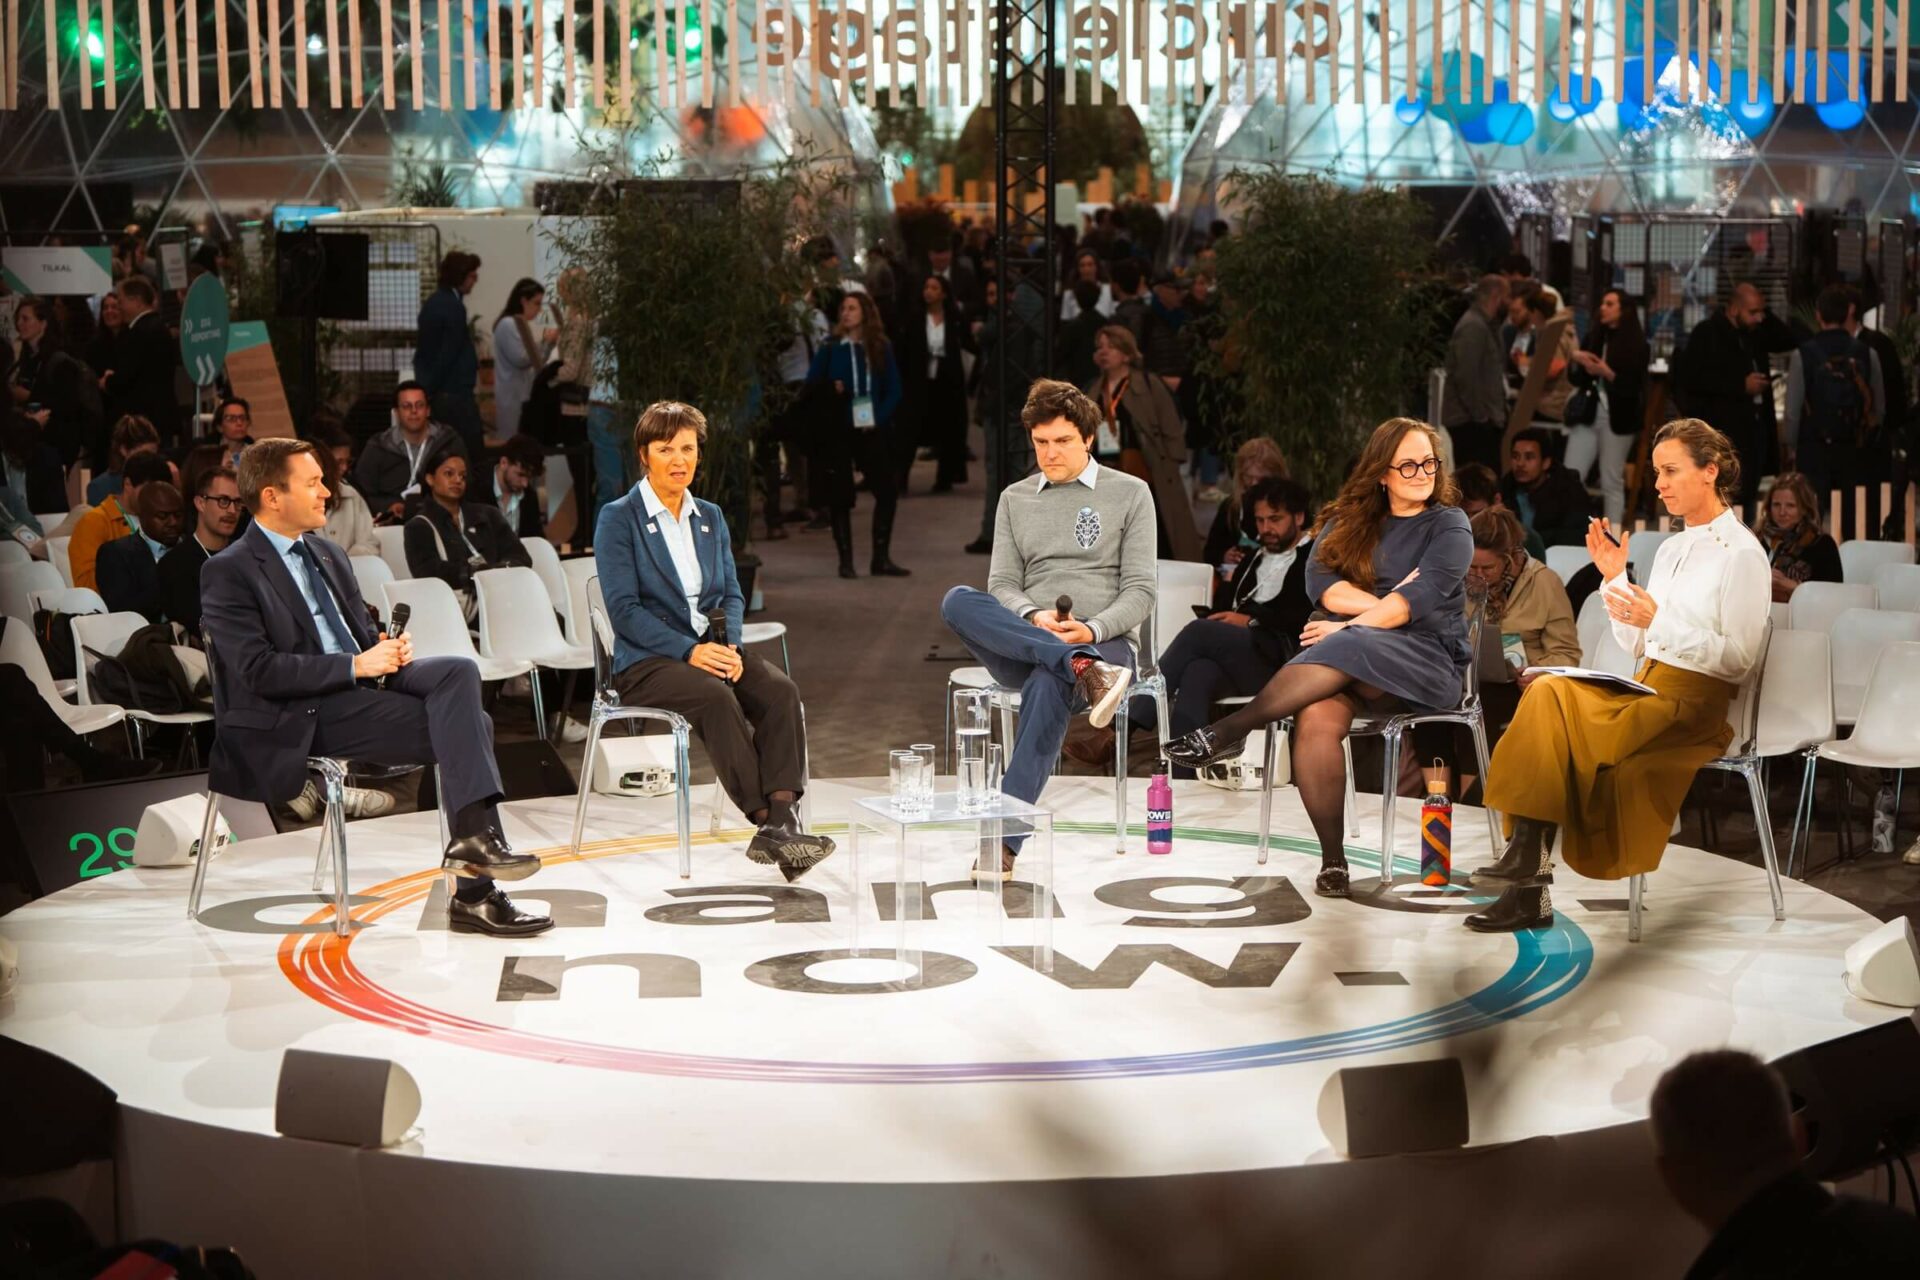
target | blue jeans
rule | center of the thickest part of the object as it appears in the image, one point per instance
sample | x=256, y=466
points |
x=1019, y=655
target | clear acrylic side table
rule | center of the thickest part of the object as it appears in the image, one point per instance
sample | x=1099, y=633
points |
x=1004, y=818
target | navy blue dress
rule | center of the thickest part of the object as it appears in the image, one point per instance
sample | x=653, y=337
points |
x=1424, y=662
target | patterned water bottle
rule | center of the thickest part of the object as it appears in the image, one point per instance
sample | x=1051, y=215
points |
x=1160, y=813
x=1436, y=828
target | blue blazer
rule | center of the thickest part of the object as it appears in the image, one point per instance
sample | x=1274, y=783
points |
x=646, y=602
x=274, y=675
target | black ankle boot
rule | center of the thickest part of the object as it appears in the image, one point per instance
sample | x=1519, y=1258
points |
x=843, y=541
x=1522, y=907
x=883, y=565
x=1524, y=861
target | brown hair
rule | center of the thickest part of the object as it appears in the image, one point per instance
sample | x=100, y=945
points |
x=1048, y=400
x=456, y=267
x=1498, y=529
x=873, y=335
x=129, y=433
x=1120, y=338
x=665, y=419
x=205, y=480
x=1357, y=512
x=1707, y=447
x=142, y=288
x=1801, y=488
x=263, y=465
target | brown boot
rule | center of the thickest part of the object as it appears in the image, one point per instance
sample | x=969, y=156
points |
x=1088, y=745
x=1102, y=685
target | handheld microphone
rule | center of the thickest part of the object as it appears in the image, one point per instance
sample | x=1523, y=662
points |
x=396, y=626
x=1063, y=608
x=717, y=629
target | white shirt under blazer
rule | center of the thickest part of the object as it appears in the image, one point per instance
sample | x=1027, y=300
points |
x=1712, y=587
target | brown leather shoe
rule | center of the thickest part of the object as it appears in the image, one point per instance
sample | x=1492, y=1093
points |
x=1088, y=745
x=993, y=865
x=1103, y=685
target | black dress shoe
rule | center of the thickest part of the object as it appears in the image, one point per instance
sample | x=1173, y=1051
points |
x=1333, y=881
x=780, y=842
x=1523, y=907
x=495, y=914
x=488, y=854
x=1202, y=747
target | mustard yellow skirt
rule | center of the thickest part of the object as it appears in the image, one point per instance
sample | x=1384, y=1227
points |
x=1611, y=768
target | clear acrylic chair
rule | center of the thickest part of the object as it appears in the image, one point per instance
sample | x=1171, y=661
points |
x=607, y=707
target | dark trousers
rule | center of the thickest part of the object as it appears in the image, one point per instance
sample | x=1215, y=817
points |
x=459, y=410
x=1207, y=661
x=751, y=728
x=33, y=729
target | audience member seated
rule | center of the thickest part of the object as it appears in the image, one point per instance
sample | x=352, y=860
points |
x=128, y=569
x=1528, y=621
x=392, y=465
x=131, y=435
x=349, y=520
x=451, y=539
x=217, y=510
x=1798, y=549
x=1549, y=500
x=114, y=517
x=233, y=430
x=1479, y=490
x=35, y=730
x=1724, y=1139
x=1231, y=538
x=512, y=484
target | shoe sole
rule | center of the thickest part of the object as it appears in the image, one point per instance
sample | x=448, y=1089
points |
x=517, y=870
x=801, y=857
x=984, y=877
x=1100, y=715
x=463, y=926
x=1486, y=876
x=1517, y=928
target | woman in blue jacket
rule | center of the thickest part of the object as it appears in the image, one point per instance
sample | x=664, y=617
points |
x=857, y=387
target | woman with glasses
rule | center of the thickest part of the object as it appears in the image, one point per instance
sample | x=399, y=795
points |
x=1390, y=553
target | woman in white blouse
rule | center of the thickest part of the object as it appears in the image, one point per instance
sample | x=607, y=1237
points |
x=519, y=354
x=1609, y=767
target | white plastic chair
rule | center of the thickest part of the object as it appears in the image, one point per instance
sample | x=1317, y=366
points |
x=19, y=583
x=439, y=629
x=1179, y=585
x=106, y=634
x=54, y=519
x=1600, y=650
x=18, y=646
x=1641, y=548
x=766, y=633
x=517, y=623
x=372, y=573
x=1858, y=636
x=393, y=549
x=1861, y=558
x=1887, y=735
x=57, y=557
x=1816, y=605
x=1780, y=614
x=578, y=572
x=546, y=563
x=1898, y=586
x=12, y=553
x=1567, y=561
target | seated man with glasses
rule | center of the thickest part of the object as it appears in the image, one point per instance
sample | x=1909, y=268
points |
x=217, y=508
x=1081, y=531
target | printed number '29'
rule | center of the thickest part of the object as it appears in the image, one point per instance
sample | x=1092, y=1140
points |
x=118, y=842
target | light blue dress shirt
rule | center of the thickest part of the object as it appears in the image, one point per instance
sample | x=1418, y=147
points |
x=297, y=567
x=680, y=545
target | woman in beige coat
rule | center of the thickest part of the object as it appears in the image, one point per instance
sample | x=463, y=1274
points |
x=1141, y=433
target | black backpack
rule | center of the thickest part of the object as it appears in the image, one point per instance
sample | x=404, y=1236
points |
x=1839, y=397
x=146, y=675
x=54, y=631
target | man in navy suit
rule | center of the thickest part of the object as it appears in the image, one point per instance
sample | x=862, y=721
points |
x=665, y=563
x=300, y=674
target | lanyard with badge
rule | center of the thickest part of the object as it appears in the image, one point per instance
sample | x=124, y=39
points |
x=1106, y=439
x=863, y=419
x=413, y=467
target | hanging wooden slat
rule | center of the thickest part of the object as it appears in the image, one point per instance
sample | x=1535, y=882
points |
x=1801, y=21
x=1820, y=54
x=762, y=48
x=1589, y=38
x=1359, y=52
x=9, y=53
x=1853, y=48
x=1779, y=51
x=388, y=89
x=193, y=56
x=733, y=53
x=964, y=44
x=1386, y=49
x=622, y=37
x=493, y=56
x=1486, y=49
x=110, y=48
x=299, y=52
x=470, y=77
x=170, y=44
x=443, y=37
x=1753, y=49
x=1682, y=49
x=539, y=24
x=1120, y=51
x=662, y=82
x=330, y=19
x=518, y=48
x=148, y=97
x=1703, y=50
x=1436, y=54
x=1171, y=92
x=1333, y=55
x=83, y=65
x=272, y=34
x=356, y=58
x=684, y=74
x=1466, y=50
x=1539, y=52
x=1620, y=49
x=1879, y=63
x=1513, y=50
x=597, y=86
x=1726, y=50
x=53, y=55
x=416, y=55
x=1096, y=54
x=1900, y=57
x=707, y=56
x=569, y=65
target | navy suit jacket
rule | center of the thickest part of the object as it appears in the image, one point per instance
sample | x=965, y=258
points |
x=129, y=577
x=646, y=602
x=274, y=678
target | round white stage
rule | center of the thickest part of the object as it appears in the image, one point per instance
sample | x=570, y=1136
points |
x=717, y=1028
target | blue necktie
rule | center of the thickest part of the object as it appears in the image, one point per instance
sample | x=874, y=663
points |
x=329, y=611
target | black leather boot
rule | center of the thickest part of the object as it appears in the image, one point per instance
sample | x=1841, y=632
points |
x=1527, y=906
x=1524, y=861
x=883, y=566
x=843, y=540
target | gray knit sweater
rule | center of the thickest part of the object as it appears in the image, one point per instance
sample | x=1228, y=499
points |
x=1096, y=545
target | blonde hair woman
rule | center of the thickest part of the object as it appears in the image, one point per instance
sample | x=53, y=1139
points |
x=1141, y=434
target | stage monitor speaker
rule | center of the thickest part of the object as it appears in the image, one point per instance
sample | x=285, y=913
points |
x=1884, y=966
x=1395, y=1109
x=1854, y=1094
x=638, y=766
x=169, y=832
x=336, y=1097
x=321, y=276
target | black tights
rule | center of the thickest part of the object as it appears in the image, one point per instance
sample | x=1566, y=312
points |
x=1322, y=702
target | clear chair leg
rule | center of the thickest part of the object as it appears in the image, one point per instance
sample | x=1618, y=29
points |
x=1494, y=842
x=322, y=853
x=1636, y=885
x=1266, y=791
x=1389, y=812
x=595, y=723
x=1353, y=804
x=1120, y=731
x=207, y=825
x=1763, y=823
x=337, y=818
x=539, y=703
x=684, y=800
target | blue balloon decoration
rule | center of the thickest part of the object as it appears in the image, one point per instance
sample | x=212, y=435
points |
x=1585, y=99
x=1509, y=123
x=1462, y=101
x=1475, y=128
x=1846, y=113
x=1807, y=70
x=1409, y=110
x=1752, y=117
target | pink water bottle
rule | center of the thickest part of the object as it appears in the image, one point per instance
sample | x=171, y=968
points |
x=1160, y=814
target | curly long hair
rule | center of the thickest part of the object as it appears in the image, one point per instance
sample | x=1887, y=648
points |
x=1360, y=508
x=873, y=334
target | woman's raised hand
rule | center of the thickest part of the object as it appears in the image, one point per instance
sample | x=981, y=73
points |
x=1611, y=556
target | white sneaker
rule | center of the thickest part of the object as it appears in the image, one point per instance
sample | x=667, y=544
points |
x=1912, y=856
x=571, y=730
x=366, y=802
x=307, y=805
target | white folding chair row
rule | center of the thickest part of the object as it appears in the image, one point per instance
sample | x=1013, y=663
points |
x=1567, y=561
x=106, y=634
x=1641, y=548
x=372, y=573
x=393, y=548
x=1861, y=558
x=1816, y=605
x=19, y=583
x=1887, y=733
x=1898, y=586
x=57, y=557
x=546, y=563
x=11, y=553
x=18, y=646
x=439, y=630
x=517, y=622
x=1600, y=650
x=1857, y=637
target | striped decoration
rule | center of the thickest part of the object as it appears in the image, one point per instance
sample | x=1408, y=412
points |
x=1136, y=52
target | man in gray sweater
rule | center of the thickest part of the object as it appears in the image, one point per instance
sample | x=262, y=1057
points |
x=1081, y=531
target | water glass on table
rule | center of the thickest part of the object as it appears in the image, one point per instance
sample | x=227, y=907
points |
x=929, y=777
x=905, y=769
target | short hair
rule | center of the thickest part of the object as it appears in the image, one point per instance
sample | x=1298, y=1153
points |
x=526, y=453
x=1488, y=289
x=231, y=400
x=1279, y=493
x=207, y=477
x=1498, y=529
x=41, y=307
x=1121, y=339
x=145, y=468
x=142, y=288
x=263, y=465
x=1542, y=303
x=663, y=420
x=1127, y=274
x=456, y=267
x=130, y=432
x=1477, y=483
x=1086, y=295
x=1833, y=304
x=1538, y=437
x=409, y=385
x=1724, y=1114
x=149, y=493
x=1048, y=400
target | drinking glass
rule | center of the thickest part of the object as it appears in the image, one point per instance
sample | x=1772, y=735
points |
x=973, y=727
x=926, y=751
x=902, y=776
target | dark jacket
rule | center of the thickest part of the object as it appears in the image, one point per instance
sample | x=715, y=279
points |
x=142, y=378
x=180, y=582
x=46, y=482
x=646, y=602
x=531, y=521
x=63, y=385
x=1161, y=346
x=447, y=557
x=1893, y=377
x=1073, y=343
x=128, y=578
x=1795, y=1229
x=383, y=470
x=1561, y=506
x=274, y=673
x=943, y=394
x=444, y=360
x=1277, y=624
x=837, y=362
x=1712, y=372
x=1627, y=393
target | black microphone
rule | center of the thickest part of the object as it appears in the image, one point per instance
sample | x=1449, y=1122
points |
x=396, y=626
x=717, y=630
x=1063, y=608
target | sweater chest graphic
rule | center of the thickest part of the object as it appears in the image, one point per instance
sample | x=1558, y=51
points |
x=1086, y=527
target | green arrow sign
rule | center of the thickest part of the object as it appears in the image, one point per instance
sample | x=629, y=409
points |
x=203, y=330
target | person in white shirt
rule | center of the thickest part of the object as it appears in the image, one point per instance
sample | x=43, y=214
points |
x=1609, y=767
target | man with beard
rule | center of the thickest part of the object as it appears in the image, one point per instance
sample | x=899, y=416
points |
x=216, y=503
x=128, y=569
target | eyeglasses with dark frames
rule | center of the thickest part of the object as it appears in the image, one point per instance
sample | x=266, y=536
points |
x=1410, y=469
